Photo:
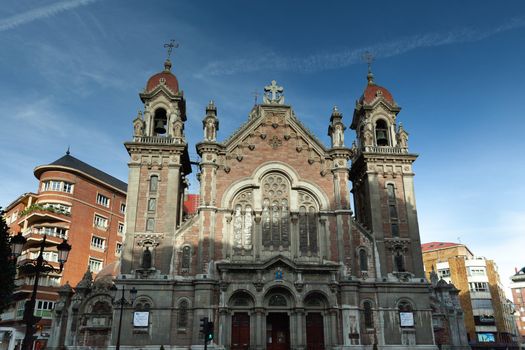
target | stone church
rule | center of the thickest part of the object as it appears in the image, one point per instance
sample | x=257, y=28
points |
x=274, y=256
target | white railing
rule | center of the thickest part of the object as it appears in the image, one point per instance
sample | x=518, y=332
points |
x=157, y=140
x=386, y=150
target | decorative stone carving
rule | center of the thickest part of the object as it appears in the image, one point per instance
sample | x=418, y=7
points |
x=275, y=142
x=273, y=94
x=138, y=125
x=402, y=137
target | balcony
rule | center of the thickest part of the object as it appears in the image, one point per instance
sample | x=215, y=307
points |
x=385, y=150
x=157, y=140
x=480, y=295
x=39, y=213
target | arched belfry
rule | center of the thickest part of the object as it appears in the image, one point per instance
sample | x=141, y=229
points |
x=157, y=169
x=382, y=178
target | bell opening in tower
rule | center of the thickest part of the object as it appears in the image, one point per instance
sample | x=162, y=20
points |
x=381, y=133
x=160, y=121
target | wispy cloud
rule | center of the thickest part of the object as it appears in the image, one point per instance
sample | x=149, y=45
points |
x=349, y=56
x=41, y=12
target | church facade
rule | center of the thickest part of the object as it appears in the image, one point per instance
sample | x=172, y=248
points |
x=275, y=256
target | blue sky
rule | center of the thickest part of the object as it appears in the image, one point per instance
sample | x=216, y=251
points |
x=71, y=71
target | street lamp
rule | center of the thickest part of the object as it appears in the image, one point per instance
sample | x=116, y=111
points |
x=36, y=267
x=121, y=301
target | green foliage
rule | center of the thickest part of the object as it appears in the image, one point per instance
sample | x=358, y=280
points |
x=40, y=207
x=7, y=265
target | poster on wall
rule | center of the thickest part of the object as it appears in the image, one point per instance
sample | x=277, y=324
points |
x=406, y=319
x=141, y=319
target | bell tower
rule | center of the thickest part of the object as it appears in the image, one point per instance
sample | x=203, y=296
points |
x=383, y=182
x=157, y=169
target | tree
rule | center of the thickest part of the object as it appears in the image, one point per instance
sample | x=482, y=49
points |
x=7, y=265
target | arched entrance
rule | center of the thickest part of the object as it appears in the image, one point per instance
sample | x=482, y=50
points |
x=241, y=303
x=315, y=305
x=278, y=302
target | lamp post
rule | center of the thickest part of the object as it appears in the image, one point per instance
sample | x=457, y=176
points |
x=121, y=301
x=37, y=266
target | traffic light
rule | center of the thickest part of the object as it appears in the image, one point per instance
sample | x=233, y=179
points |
x=204, y=326
x=209, y=332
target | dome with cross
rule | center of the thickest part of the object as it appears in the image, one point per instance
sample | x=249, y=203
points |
x=166, y=78
x=373, y=91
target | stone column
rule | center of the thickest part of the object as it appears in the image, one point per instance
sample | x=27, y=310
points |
x=224, y=328
x=300, y=329
x=260, y=328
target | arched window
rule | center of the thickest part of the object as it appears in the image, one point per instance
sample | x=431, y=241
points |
x=308, y=241
x=276, y=212
x=381, y=133
x=392, y=209
x=160, y=121
x=243, y=221
x=277, y=300
x=152, y=204
x=150, y=225
x=406, y=314
x=368, y=314
x=186, y=259
x=153, y=183
x=182, y=319
x=391, y=191
x=363, y=260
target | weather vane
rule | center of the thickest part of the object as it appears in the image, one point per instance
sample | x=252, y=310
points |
x=171, y=46
x=368, y=57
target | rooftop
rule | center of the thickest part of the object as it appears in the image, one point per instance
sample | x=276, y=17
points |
x=68, y=161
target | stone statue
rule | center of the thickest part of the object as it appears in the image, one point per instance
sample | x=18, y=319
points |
x=209, y=130
x=138, y=126
x=339, y=137
x=368, y=135
x=146, y=259
x=402, y=137
x=177, y=129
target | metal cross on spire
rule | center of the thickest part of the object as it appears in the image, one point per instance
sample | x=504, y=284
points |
x=368, y=57
x=172, y=44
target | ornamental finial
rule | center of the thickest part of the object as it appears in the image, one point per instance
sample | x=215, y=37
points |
x=273, y=94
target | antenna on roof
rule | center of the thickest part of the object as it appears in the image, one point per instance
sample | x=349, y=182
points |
x=68, y=152
x=459, y=239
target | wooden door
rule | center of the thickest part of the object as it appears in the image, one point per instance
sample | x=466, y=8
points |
x=240, y=331
x=277, y=331
x=314, y=331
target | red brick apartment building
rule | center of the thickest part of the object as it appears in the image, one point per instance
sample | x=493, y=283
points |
x=74, y=201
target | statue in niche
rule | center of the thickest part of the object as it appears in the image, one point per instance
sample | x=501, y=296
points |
x=146, y=259
x=402, y=137
x=368, y=135
x=138, y=126
x=279, y=274
x=339, y=136
x=177, y=129
x=210, y=130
